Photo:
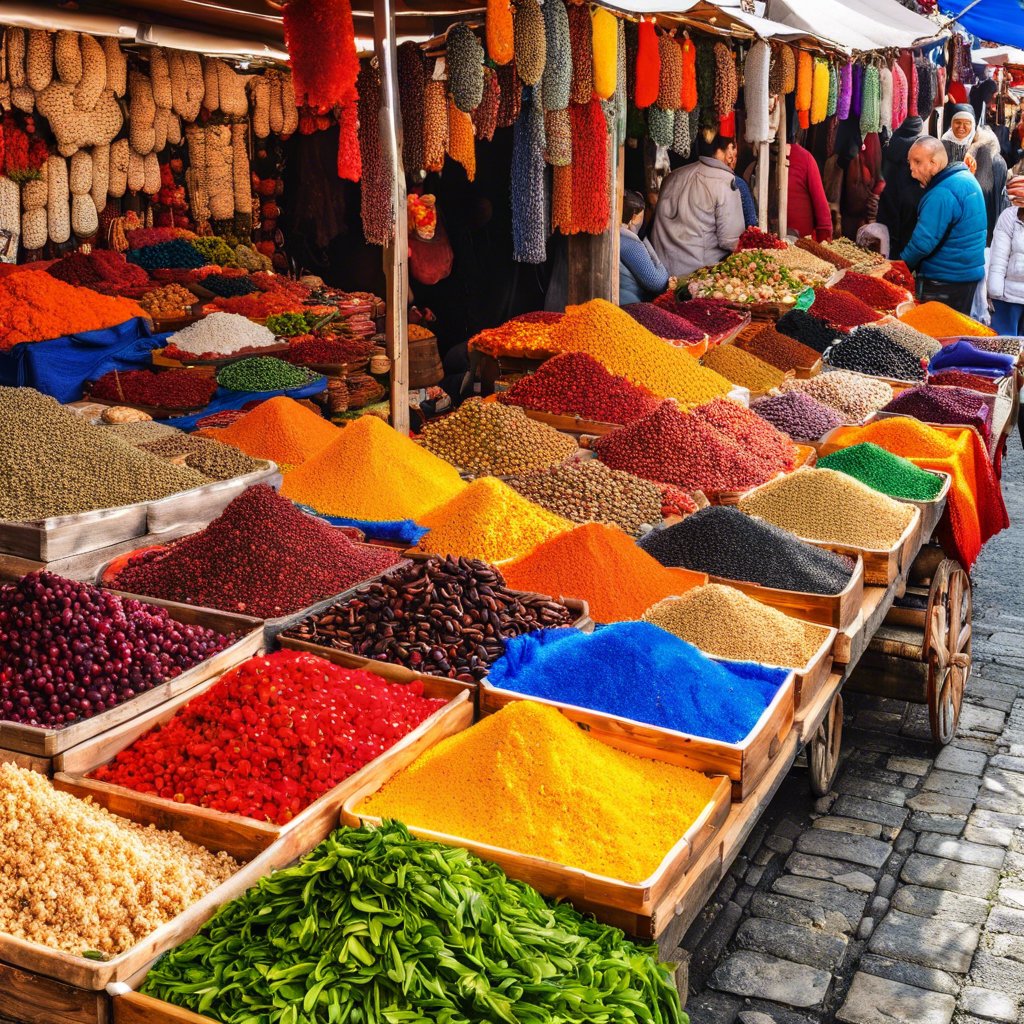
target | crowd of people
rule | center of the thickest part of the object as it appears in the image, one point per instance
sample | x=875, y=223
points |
x=946, y=206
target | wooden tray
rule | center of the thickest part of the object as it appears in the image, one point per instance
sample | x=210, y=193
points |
x=40, y=742
x=744, y=763
x=725, y=337
x=157, y=358
x=572, y=424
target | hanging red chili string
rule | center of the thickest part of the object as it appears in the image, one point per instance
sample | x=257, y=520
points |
x=590, y=198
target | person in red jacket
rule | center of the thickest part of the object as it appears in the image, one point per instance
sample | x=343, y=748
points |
x=808, y=212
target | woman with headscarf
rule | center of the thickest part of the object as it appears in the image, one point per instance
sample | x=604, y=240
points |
x=978, y=147
x=897, y=207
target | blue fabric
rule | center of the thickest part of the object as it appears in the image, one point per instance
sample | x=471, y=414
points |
x=640, y=278
x=639, y=671
x=997, y=20
x=404, y=531
x=948, y=243
x=61, y=366
x=962, y=355
x=747, y=199
x=223, y=399
x=1007, y=317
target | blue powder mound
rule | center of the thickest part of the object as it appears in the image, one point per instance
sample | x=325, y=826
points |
x=639, y=671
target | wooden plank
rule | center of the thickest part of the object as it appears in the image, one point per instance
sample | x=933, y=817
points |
x=763, y=183
x=852, y=642
x=31, y=999
x=783, y=175
x=135, y=1008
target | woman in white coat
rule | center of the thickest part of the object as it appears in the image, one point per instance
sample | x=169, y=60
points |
x=1006, y=271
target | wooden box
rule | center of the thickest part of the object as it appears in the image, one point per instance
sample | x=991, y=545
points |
x=572, y=424
x=47, y=540
x=202, y=505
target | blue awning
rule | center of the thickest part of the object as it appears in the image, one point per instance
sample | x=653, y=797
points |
x=995, y=21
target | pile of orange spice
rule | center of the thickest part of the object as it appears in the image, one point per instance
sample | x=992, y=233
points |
x=938, y=320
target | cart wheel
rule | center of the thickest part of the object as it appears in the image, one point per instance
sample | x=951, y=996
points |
x=823, y=755
x=947, y=646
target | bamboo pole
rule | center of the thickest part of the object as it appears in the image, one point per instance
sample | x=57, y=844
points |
x=783, y=172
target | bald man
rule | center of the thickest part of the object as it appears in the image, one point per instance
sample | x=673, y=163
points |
x=947, y=248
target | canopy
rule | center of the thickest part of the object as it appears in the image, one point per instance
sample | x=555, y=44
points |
x=998, y=55
x=999, y=21
x=857, y=24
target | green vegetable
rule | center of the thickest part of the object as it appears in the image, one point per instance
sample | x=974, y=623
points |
x=376, y=926
x=287, y=325
x=264, y=373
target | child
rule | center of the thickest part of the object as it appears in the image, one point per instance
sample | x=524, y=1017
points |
x=642, y=276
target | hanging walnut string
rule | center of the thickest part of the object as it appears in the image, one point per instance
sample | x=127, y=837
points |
x=775, y=71
x=375, y=207
x=788, y=69
x=670, y=84
x=581, y=45
x=511, y=95
x=529, y=223
x=412, y=80
x=465, y=65
x=485, y=117
x=661, y=125
x=531, y=42
x=557, y=81
x=727, y=86
x=435, y=125
x=682, y=141
x=558, y=132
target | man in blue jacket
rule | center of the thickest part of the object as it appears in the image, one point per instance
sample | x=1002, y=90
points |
x=947, y=248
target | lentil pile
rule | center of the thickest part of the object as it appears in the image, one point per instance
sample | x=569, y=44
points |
x=875, y=291
x=752, y=433
x=271, y=736
x=53, y=463
x=264, y=373
x=938, y=320
x=722, y=541
x=707, y=315
x=960, y=379
x=69, y=650
x=588, y=491
x=576, y=384
x=842, y=310
x=739, y=366
x=943, y=405
x=854, y=397
x=598, y=564
x=884, y=472
x=823, y=505
x=211, y=458
x=872, y=352
x=220, y=334
x=531, y=781
x=809, y=330
x=638, y=671
x=668, y=325
x=355, y=475
x=445, y=616
x=260, y=556
x=174, y=389
x=490, y=521
x=487, y=437
x=916, y=343
x=778, y=349
x=798, y=415
x=141, y=432
x=53, y=893
x=722, y=621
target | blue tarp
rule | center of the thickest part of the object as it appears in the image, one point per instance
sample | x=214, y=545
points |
x=404, y=531
x=962, y=355
x=997, y=21
x=223, y=399
x=61, y=366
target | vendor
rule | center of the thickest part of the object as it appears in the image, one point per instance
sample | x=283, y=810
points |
x=699, y=218
x=641, y=274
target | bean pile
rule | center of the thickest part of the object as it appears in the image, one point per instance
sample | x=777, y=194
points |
x=723, y=621
x=141, y=432
x=960, y=379
x=665, y=324
x=211, y=458
x=228, y=286
x=875, y=291
x=221, y=334
x=1009, y=346
x=588, y=491
x=264, y=373
x=852, y=396
x=884, y=472
x=744, y=369
x=69, y=651
x=576, y=384
x=260, y=556
x=490, y=521
x=916, y=343
x=823, y=505
x=173, y=389
x=53, y=892
x=307, y=349
x=842, y=310
x=780, y=350
x=707, y=315
x=798, y=415
x=176, y=253
x=445, y=616
x=308, y=726
x=943, y=405
x=874, y=353
x=722, y=541
x=812, y=331
x=53, y=463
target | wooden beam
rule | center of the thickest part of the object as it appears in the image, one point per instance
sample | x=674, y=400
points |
x=763, y=183
x=396, y=255
x=783, y=172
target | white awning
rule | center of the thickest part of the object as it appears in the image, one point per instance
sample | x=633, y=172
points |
x=997, y=55
x=857, y=24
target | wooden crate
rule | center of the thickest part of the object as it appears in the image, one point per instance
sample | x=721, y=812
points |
x=46, y=540
x=29, y=998
x=136, y=1008
x=45, y=743
x=743, y=763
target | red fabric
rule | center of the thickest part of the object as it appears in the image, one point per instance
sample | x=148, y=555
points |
x=648, y=65
x=808, y=205
x=957, y=93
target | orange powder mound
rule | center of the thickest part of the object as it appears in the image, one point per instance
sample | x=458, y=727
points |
x=372, y=472
x=599, y=564
x=279, y=429
x=975, y=510
x=489, y=521
x=34, y=306
x=938, y=320
x=629, y=350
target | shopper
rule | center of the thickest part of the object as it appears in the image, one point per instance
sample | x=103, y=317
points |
x=853, y=178
x=641, y=274
x=947, y=248
x=1006, y=271
x=978, y=147
x=807, y=209
x=699, y=217
x=897, y=205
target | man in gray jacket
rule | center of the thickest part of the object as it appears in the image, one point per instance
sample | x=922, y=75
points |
x=699, y=216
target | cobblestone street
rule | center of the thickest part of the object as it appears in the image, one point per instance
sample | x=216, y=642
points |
x=899, y=896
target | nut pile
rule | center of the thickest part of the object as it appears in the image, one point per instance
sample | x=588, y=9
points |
x=779, y=349
x=80, y=879
x=750, y=276
x=722, y=541
x=221, y=334
x=1008, y=346
x=804, y=265
x=798, y=415
x=823, y=505
x=871, y=352
x=824, y=252
x=444, y=616
x=744, y=369
x=917, y=344
x=852, y=396
x=487, y=437
x=809, y=330
x=853, y=254
x=141, y=432
x=170, y=300
x=723, y=621
x=211, y=458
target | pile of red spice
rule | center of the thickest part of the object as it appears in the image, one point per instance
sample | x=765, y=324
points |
x=778, y=349
x=576, y=384
x=538, y=316
x=960, y=379
x=706, y=315
x=271, y=736
x=261, y=556
x=876, y=292
x=306, y=349
x=663, y=323
x=755, y=238
x=139, y=238
x=899, y=275
x=103, y=271
x=277, y=294
x=687, y=450
x=173, y=389
x=751, y=432
x=841, y=309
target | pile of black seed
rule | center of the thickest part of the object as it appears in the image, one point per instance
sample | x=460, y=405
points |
x=870, y=351
x=809, y=330
x=722, y=541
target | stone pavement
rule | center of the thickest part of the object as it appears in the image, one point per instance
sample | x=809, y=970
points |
x=899, y=897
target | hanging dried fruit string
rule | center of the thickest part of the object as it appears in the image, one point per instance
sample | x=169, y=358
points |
x=499, y=31
x=530, y=41
x=727, y=89
x=870, y=109
x=670, y=83
x=529, y=227
x=620, y=83
x=511, y=95
x=435, y=125
x=706, y=82
x=464, y=60
x=788, y=70
x=632, y=30
x=856, y=96
x=606, y=45
x=461, y=141
x=833, y=89
x=485, y=117
x=755, y=91
x=688, y=87
x=561, y=200
x=648, y=65
x=581, y=45
x=375, y=208
x=558, y=131
x=557, y=81
x=845, y=91
x=591, y=207
x=412, y=80
x=804, y=87
x=775, y=70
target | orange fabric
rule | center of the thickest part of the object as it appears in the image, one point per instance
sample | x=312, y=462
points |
x=975, y=510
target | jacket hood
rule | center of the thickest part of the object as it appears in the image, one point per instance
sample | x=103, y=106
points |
x=985, y=139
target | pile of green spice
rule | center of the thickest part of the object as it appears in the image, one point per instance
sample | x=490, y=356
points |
x=264, y=373
x=211, y=458
x=377, y=925
x=885, y=472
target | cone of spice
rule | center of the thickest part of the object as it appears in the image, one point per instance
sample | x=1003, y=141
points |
x=884, y=472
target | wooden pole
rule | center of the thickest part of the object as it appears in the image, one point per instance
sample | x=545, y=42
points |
x=763, y=183
x=396, y=255
x=783, y=159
